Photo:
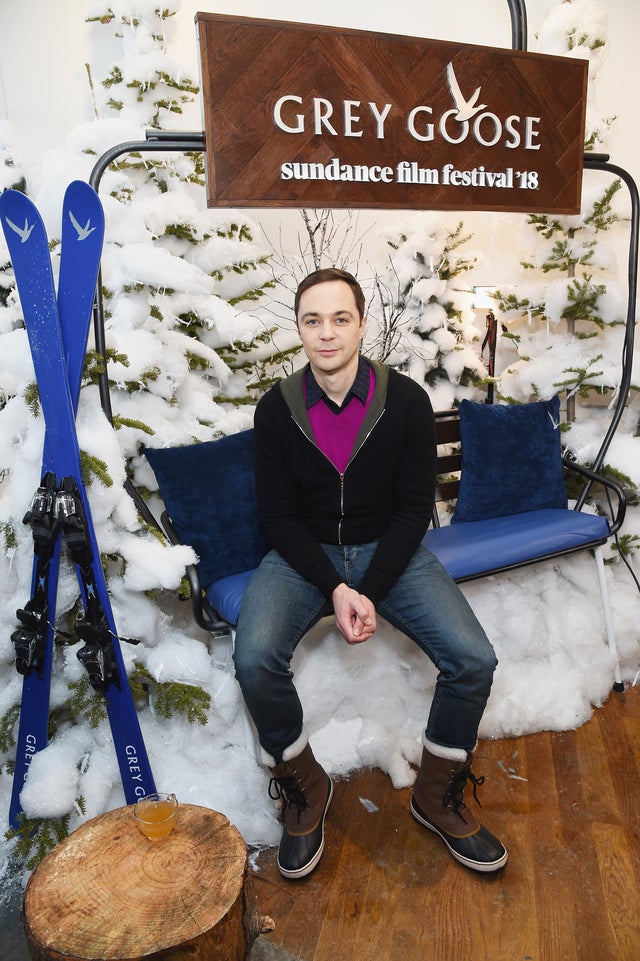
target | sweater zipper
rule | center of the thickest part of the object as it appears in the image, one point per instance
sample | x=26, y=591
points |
x=341, y=508
x=341, y=474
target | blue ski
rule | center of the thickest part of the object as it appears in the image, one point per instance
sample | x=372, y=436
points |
x=57, y=329
x=79, y=265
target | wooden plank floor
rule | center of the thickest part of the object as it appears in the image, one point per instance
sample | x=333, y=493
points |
x=566, y=805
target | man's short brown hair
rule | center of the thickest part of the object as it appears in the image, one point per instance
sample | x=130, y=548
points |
x=322, y=276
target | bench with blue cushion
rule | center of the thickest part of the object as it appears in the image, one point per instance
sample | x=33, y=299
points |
x=501, y=465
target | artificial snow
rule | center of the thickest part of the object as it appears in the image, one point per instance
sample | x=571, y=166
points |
x=365, y=705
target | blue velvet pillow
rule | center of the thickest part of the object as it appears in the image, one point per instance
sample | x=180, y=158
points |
x=210, y=495
x=511, y=459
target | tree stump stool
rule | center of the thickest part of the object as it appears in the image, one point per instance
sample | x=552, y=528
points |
x=108, y=892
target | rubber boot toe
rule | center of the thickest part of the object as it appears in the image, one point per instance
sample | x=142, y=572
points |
x=299, y=854
x=480, y=851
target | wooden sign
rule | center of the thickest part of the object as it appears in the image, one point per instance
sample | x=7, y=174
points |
x=300, y=115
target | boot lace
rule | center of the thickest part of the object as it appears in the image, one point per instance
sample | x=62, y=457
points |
x=288, y=790
x=453, y=796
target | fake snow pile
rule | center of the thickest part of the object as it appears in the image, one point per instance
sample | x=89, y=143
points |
x=365, y=705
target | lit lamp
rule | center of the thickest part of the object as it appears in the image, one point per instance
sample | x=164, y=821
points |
x=482, y=300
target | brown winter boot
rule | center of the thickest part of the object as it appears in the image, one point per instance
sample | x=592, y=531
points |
x=305, y=790
x=438, y=803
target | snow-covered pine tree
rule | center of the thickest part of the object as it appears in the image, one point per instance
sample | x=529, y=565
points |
x=430, y=329
x=186, y=357
x=564, y=312
x=565, y=316
x=12, y=176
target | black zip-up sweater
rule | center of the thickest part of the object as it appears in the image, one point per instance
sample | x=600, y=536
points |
x=385, y=494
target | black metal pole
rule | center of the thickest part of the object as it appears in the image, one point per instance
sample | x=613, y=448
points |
x=518, y=24
x=157, y=141
x=599, y=161
x=594, y=161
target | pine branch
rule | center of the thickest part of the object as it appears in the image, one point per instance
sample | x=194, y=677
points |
x=35, y=837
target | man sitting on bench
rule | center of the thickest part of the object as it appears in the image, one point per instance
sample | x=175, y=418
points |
x=345, y=475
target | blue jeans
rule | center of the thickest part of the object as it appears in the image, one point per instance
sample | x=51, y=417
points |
x=280, y=606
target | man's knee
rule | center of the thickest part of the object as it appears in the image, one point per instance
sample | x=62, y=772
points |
x=480, y=664
x=247, y=665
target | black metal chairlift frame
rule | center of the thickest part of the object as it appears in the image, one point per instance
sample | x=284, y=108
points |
x=160, y=141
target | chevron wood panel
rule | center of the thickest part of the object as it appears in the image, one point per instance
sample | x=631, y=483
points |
x=302, y=115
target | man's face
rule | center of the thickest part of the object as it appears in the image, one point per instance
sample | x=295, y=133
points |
x=330, y=326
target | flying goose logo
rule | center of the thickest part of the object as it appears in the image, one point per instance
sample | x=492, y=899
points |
x=466, y=109
x=23, y=232
x=83, y=232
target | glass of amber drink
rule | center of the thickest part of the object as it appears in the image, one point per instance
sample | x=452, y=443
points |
x=156, y=815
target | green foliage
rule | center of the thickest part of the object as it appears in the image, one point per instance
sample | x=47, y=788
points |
x=569, y=248
x=20, y=184
x=235, y=232
x=577, y=38
x=95, y=367
x=198, y=174
x=95, y=364
x=148, y=376
x=408, y=307
x=577, y=380
x=603, y=216
x=171, y=697
x=261, y=373
x=93, y=466
x=182, y=232
x=626, y=545
x=254, y=294
x=119, y=422
x=8, y=532
x=160, y=92
x=85, y=704
x=114, y=78
x=32, y=398
x=184, y=588
x=35, y=837
x=448, y=267
x=625, y=482
x=565, y=254
x=582, y=301
x=190, y=323
x=7, y=728
x=113, y=563
x=574, y=241
x=196, y=362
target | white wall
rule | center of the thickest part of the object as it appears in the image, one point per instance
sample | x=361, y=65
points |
x=44, y=46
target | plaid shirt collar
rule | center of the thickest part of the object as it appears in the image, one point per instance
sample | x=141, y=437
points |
x=359, y=388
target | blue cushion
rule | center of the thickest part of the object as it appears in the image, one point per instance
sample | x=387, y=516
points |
x=468, y=549
x=225, y=595
x=480, y=546
x=210, y=495
x=511, y=459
